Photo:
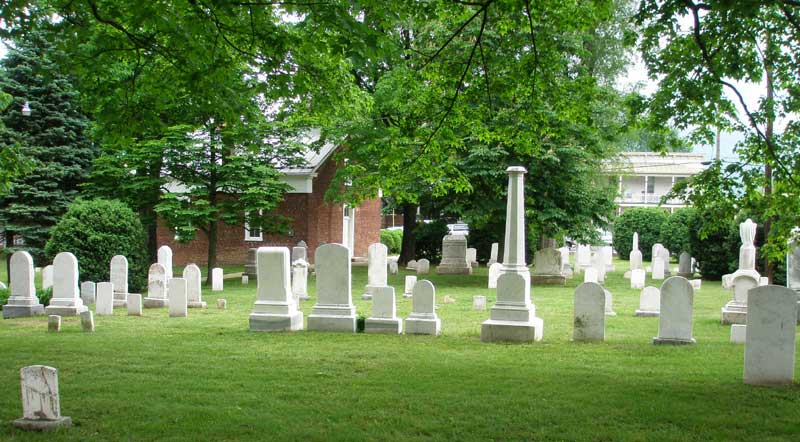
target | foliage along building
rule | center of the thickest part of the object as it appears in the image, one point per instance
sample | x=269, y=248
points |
x=314, y=220
x=645, y=177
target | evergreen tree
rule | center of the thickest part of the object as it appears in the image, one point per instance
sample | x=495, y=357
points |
x=52, y=140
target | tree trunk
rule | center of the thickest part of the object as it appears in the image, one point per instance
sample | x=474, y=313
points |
x=9, y=245
x=409, y=248
x=769, y=266
x=212, y=249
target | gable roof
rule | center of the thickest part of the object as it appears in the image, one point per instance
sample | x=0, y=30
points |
x=655, y=163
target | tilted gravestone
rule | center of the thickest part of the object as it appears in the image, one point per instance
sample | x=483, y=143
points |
x=41, y=405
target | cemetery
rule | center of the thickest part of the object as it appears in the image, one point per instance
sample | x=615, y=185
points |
x=442, y=220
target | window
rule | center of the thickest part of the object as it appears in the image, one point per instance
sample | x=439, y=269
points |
x=651, y=184
x=252, y=233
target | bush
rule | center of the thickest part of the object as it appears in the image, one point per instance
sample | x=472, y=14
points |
x=647, y=222
x=393, y=239
x=4, y=295
x=429, y=240
x=44, y=295
x=96, y=230
x=675, y=232
x=718, y=253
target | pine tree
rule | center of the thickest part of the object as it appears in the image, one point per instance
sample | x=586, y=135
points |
x=52, y=140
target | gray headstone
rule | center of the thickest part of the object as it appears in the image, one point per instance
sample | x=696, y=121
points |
x=334, y=310
x=589, y=313
x=66, y=300
x=105, y=299
x=178, y=298
x=88, y=292
x=423, y=318
x=769, y=351
x=675, y=312
x=194, y=286
x=275, y=308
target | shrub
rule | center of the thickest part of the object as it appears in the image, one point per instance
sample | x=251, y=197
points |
x=646, y=221
x=96, y=230
x=4, y=294
x=675, y=232
x=718, y=253
x=429, y=240
x=44, y=295
x=393, y=239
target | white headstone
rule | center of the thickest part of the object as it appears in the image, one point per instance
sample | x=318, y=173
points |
x=393, y=269
x=635, y=241
x=423, y=267
x=769, y=350
x=134, y=304
x=334, y=310
x=685, y=265
x=88, y=292
x=275, y=308
x=105, y=299
x=609, y=308
x=635, y=259
x=245, y=279
x=423, y=319
x=66, y=300
x=493, y=253
x=472, y=256
x=738, y=333
x=696, y=284
x=119, y=277
x=598, y=263
x=384, y=313
x=377, y=259
x=300, y=280
x=156, y=287
x=583, y=256
x=217, y=279
x=178, y=298
x=663, y=254
x=649, y=302
x=479, y=302
x=194, y=286
x=222, y=303
x=41, y=405
x=22, y=301
x=637, y=279
x=412, y=265
x=299, y=252
x=165, y=259
x=454, y=256
x=87, y=321
x=589, y=322
x=675, y=312
x=793, y=267
x=408, y=289
x=590, y=275
x=763, y=281
x=654, y=251
x=658, y=269
x=608, y=257
x=494, y=273
x=47, y=277
x=564, y=258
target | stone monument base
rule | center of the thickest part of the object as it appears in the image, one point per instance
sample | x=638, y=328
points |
x=22, y=311
x=454, y=270
x=332, y=323
x=647, y=313
x=201, y=304
x=734, y=313
x=63, y=310
x=665, y=341
x=418, y=326
x=121, y=303
x=548, y=279
x=155, y=302
x=43, y=424
x=383, y=325
x=265, y=322
x=493, y=330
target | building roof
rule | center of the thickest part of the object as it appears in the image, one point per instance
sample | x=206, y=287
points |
x=313, y=159
x=655, y=163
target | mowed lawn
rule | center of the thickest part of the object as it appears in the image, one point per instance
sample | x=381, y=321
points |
x=207, y=378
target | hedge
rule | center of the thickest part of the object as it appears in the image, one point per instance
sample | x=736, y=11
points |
x=646, y=221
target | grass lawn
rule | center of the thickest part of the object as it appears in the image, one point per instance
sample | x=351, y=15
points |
x=207, y=378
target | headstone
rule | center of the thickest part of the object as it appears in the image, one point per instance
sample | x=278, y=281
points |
x=393, y=267
x=423, y=267
x=564, y=251
x=479, y=302
x=793, y=267
x=738, y=333
x=547, y=268
x=222, y=303
x=177, y=298
x=598, y=263
x=735, y=311
x=408, y=289
x=217, y=279
x=590, y=275
x=609, y=307
x=654, y=251
x=649, y=302
x=658, y=269
x=156, y=286
x=194, y=286
x=494, y=273
x=377, y=258
x=472, y=257
x=763, y=281
x=250, y=264
x=675, y=312
x=454, y=256
x=88, y=292
x=493, y=253
x=685, y=265
x=696, y=284
x=165, y=259
x=664, y=254
x=635, y=256
x=105, y=299
x=275, y=308
x=41, y=406
x=583, y=256
x=300, y=280
x=54, y=323
x=769, y=349
x=119, y=277
x=589, y=322
x=412, y=265
x=47, y=277
x=66, y=300
x=303, y=244
x=245, y=279
x=134, y=304
x=334, y=310
x=608, y=257
x=727, y=281
x=448, y=300
x=299, y=252
x=384, y=313
x=637, y=279
x=87, y=321
x=423, y=319
x=22, y=301
x=635, y=241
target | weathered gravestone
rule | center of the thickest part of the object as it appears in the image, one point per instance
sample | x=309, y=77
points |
x=105, y=299
x=88, y=292
x=177, y=298
x=275, y=308
x=250, y=264
x=608, y=257
x=423, y=267
x=47, y=277
x=299, y=252
x=638, y=278
x=377, y=257
x=675, y=312
x=738, y=333
x=609, y=308
x=769, y=349
x=334, y=310
x=494, y=272
x=598, y=263
x=590, y=275
x=547, y=268
x=393, y=269
x=635, y=256
x=54, y=323
x=194, y=286
x=87, y=321
x=735, y=311
x=66, y=300
x=649, y=302
x=423, y=319
x=41, y=405
x=134, y=304
x=493, y=254
x=472, y=257
x=589, y=322
x=156, y=287
x=685, y=265
x=22, y=301
x=217, y=279
x=119, y=277
x=658, y=269
x=583, y=256
x=384, y=313
x=300, y=280
x=165, y=259
x=408, y=289
x=411, y=265
x=454, y=256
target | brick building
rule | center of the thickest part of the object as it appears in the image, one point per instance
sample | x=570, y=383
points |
x=314, y=221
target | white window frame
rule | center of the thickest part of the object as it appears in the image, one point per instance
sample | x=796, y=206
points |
x=248, y=236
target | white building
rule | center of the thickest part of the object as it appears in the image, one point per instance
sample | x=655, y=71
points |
x=645, y=177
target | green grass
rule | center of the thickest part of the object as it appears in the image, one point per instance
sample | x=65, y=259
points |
x=206, y=377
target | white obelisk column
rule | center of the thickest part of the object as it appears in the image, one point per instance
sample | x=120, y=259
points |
x=514, y=247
